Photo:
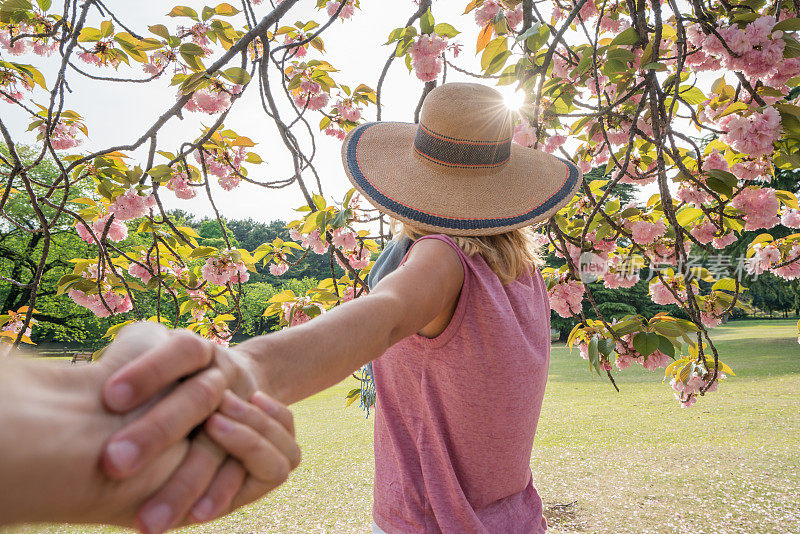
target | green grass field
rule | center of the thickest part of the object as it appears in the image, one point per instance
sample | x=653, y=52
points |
x=628, y=462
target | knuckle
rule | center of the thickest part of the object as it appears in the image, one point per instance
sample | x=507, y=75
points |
x=280, y=470
x=161, y=430
x=193, y=347
x=207, y=391
x=295, y=457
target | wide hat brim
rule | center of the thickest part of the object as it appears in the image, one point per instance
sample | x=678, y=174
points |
x=380, y=160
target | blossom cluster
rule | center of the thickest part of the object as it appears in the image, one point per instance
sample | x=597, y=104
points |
x=224, y=269
x=180, y=184
x=426, y=56
x=39, y=45
x=347, y=11
x=114, y=302
x=566, y=297
x=131, y=205
x=294, y=312
x=309, y=95
x=63, y=136
x=224, y=164
x=687, y=392
x=212, y=99
x=9, y=332
x=490, y=8
x=117, y=231
x=755, y=50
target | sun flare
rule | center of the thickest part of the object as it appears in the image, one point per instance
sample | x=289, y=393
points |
x=513, y=99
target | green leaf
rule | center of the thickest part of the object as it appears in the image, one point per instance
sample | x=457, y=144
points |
x=183, y=11
x=666, y=346
x=254, y=158
x=497, y=63
x=646, y=343
x=788, y=25
x=202, y=252
x=159, y=171
x=693, y=95
x=106, y=28
x=426, y=22
x=237, y=75
x=446, y=29
x=627, y=37
x=160, y=30
x=226, y=10
x=493, y=49
x=191, y=49
x=688, y=215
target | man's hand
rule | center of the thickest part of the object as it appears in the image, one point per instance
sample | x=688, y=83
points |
x=54, y=429
x=206, y=484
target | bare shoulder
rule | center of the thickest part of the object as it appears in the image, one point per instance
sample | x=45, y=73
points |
x=438, y=259
x=431, y=276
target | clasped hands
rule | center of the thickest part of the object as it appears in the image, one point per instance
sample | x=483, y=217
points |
x=242, y=450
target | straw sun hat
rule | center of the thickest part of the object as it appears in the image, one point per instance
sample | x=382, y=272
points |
x=457, y=172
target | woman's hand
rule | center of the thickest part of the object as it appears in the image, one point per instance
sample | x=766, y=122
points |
x=259, y=434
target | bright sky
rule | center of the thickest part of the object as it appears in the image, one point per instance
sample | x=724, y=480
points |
x=118, y=113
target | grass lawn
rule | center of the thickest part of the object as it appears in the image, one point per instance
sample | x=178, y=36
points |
x=602, y=461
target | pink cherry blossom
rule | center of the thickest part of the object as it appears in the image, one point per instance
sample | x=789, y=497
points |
x=759, y=207
x=179, y=183
x=692, y=195
x=487, y=12
x=348, y=111
x=208, y=100
x=656, y=360
x=63, y=135
x=553, y=142
x=278, y=269
x=336, y=132
x=344, y=239
x=754, y=134
x=138, y=271
x=662, y=295
x=791, y=218
x=114, y=302
x=757, y=170
x=347, y=11
x=763, y=259
x=566, y=298
x=426, y=56
x=704, y=232
x=524, y=134
x=116, y=232
x=514, y=16
x=790, y=271
x=222, y=269
x=644, y=232
x=724, y=240
x=131, y=205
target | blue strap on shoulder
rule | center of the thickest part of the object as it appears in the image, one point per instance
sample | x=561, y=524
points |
x=389, y=259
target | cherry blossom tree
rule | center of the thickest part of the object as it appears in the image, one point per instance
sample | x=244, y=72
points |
x=696, y=102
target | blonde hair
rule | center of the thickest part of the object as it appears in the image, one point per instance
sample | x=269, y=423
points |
x=509, y=255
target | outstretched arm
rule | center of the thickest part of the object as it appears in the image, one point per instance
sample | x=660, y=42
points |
x=297, y=362
x=300, y=361
x=288, y=365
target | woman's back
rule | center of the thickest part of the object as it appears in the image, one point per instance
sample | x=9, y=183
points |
x=456, y=415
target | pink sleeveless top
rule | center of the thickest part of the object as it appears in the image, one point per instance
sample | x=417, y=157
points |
x=455, y=415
